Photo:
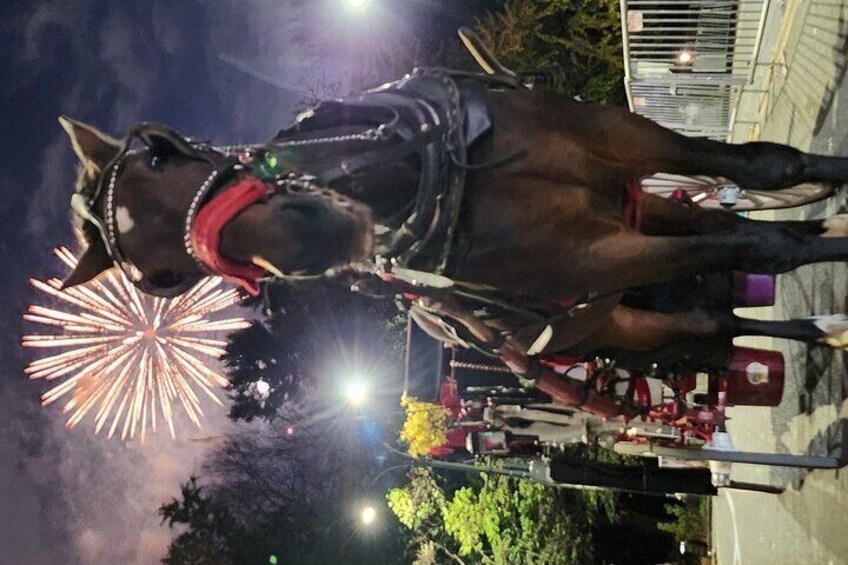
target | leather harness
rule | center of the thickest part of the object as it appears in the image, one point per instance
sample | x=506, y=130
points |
x=432, y=115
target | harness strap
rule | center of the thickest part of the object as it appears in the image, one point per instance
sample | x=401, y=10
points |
x=495, y=163
x=206, y=233
x=633, y=204
x=361, y=161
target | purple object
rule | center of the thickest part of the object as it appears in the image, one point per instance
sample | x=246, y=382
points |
x=753, y=290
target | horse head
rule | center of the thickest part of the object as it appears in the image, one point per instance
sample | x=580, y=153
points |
x=143, y=205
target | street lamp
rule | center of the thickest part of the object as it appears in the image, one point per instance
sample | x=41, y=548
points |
x=356, y=392
x=357, y=5
x=368, y=515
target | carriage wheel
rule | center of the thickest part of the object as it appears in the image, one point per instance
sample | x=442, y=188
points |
x=722, y=194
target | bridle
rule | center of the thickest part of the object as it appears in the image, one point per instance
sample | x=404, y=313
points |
x=158, y=139
x=400, y=122
x=227, y=162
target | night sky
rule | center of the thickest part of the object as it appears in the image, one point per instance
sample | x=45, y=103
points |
x=68, y=496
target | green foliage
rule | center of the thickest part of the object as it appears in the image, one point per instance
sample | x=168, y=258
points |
x=576, y=46
x=501, y=520
x=210, y=531
x=691, y=521
x=419, y=505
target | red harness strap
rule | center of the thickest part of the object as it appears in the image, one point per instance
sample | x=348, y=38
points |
x=632, y=204
x=206, y=233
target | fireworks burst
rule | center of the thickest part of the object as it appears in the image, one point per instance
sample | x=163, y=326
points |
x=129, y=357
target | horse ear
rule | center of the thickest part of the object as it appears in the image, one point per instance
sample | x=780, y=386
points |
x=93, y=261
x=94, y=148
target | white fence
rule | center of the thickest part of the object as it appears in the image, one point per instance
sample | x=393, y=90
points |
x=686, y=62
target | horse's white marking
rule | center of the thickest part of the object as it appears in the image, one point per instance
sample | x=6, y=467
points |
x=836, y=226
x=125, y=222
x=834, y=328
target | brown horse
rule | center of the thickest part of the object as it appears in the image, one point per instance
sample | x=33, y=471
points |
x=540, y=228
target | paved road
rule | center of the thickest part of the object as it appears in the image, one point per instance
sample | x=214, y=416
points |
x=807, y=106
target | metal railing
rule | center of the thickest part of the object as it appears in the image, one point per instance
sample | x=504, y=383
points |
x=687, y=61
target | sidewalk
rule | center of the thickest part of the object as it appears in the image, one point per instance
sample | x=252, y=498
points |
x=802, y=62
x=795, y=100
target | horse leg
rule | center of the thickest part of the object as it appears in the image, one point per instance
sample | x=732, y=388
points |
x=627, y=259
x=641, y=330
x=587, y=256
x=642, y=147
x=661, y=216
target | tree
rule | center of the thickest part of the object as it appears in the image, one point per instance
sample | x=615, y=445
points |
x=211, y=530
x=270, y=494
x=498, y=519
x=577, y=46
x=691, y=521
x=264, y=353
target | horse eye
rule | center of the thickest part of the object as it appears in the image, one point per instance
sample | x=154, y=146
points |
x=156, y=162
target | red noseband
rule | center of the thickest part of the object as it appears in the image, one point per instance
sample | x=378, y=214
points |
x=206, y=233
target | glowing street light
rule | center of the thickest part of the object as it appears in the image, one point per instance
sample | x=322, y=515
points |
x=368, y=515
x=356, y=392
x=685, y=58
x=357, y=5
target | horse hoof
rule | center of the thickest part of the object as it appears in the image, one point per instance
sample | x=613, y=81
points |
x=835, y=330
x=836, y=226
